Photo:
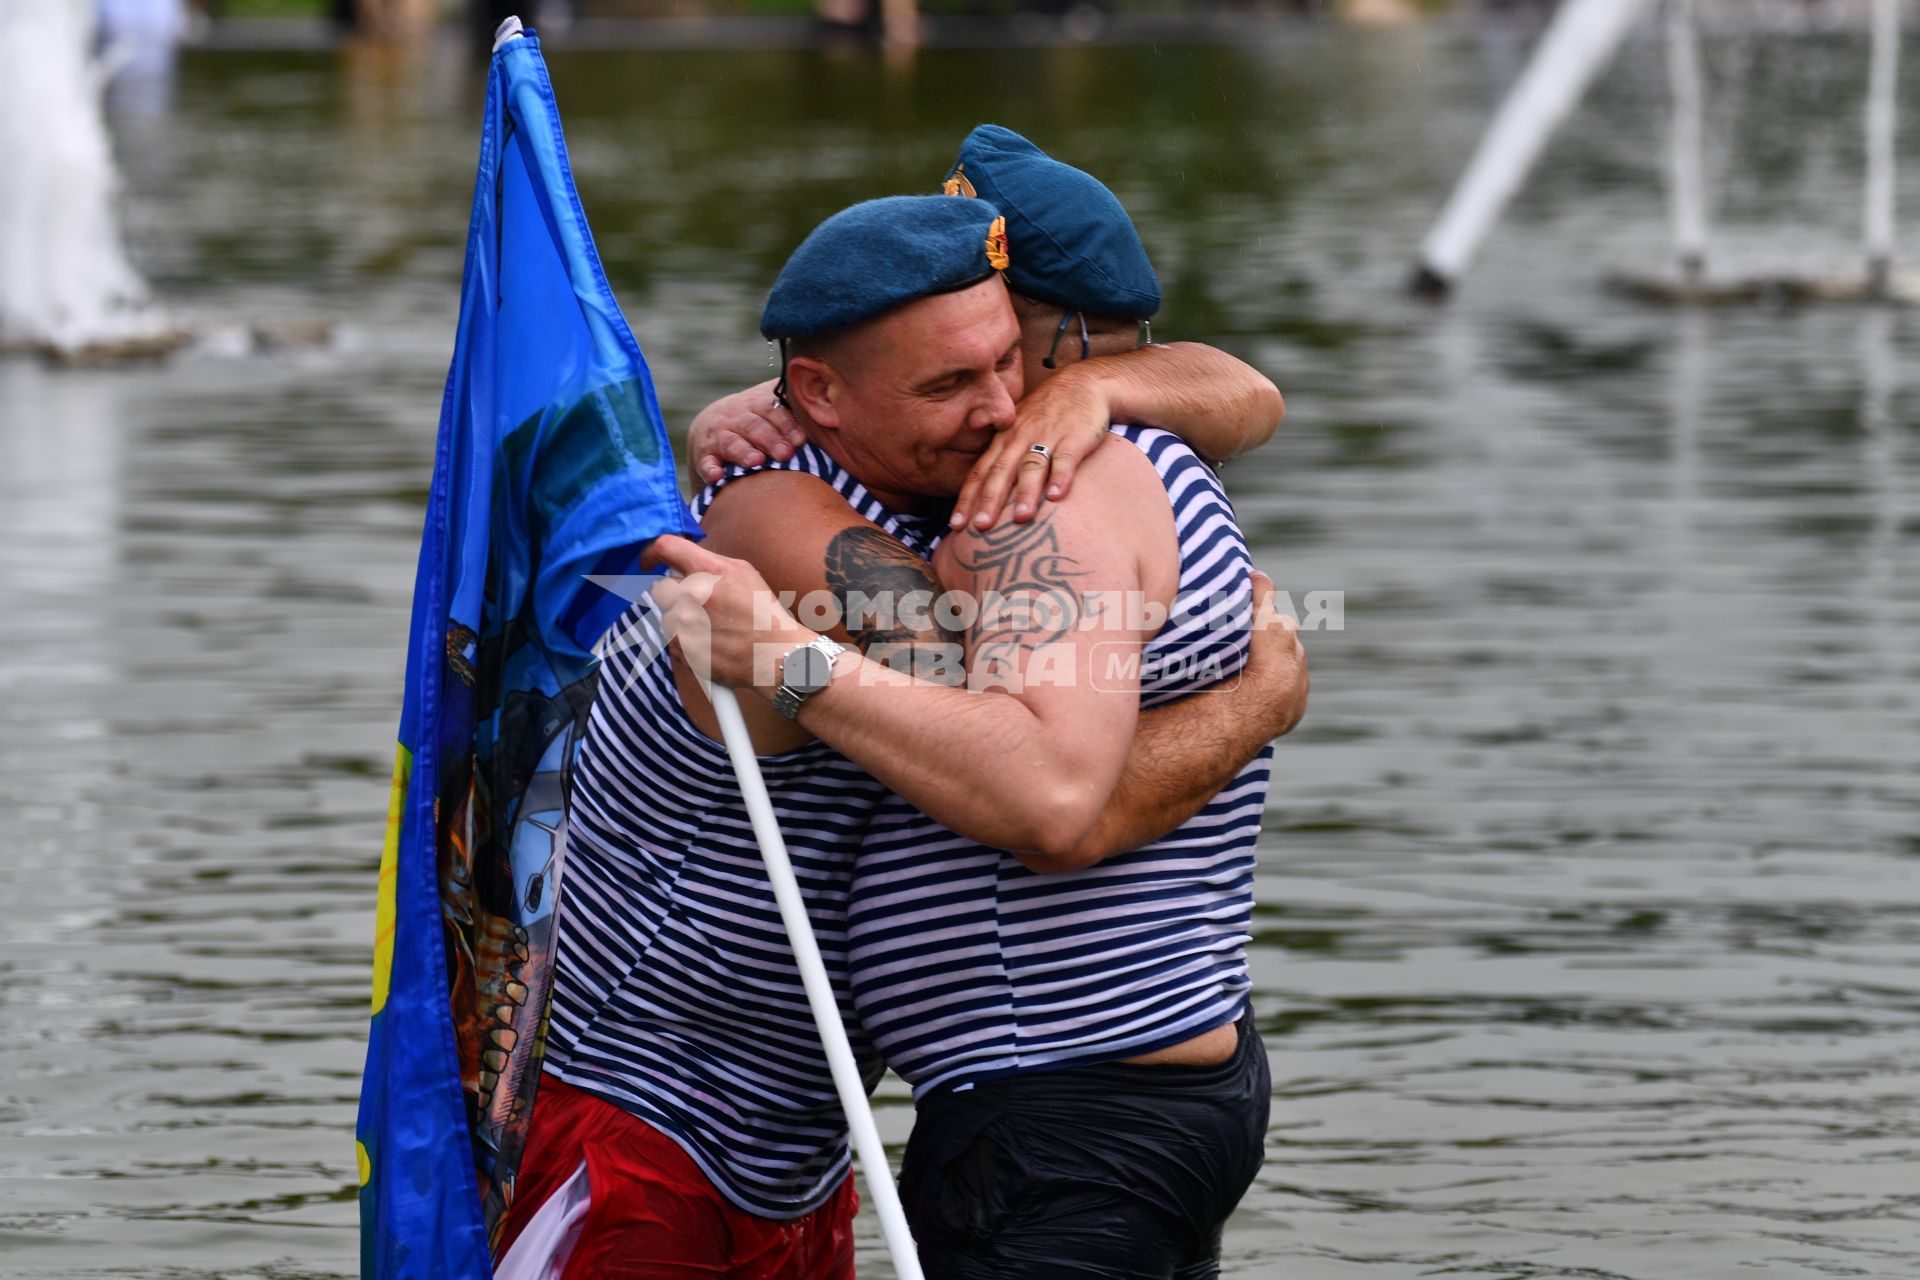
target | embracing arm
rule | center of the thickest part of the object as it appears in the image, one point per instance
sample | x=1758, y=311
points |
x=1219, y=405
x=1028, y=757
x=984, y=763
x=1182, y=755
x=804, y=538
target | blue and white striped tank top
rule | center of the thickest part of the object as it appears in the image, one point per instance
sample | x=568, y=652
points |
x=676, y=996
x=967, y=966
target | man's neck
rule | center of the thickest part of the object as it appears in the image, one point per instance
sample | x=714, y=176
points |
x=919, y=506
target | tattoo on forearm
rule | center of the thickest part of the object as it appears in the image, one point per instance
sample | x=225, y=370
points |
x=886, y=595
x=1023, y=580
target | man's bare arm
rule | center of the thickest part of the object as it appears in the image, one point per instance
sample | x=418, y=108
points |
x=1025, y=765
x=1182, y=755
x=1219, y=405
x=804, y=538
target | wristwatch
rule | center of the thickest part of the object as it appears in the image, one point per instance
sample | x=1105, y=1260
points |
x=805, y=671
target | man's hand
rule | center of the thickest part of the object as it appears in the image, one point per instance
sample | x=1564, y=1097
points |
x=1275, y=676
x=726, y=620
x=1070, y=414
x=1219, y=405
x=743, y=429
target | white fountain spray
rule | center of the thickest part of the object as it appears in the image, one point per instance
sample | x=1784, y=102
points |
x=1577, y=45
x=66, y=285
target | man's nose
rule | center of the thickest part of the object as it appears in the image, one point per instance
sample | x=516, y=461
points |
x=995, y=412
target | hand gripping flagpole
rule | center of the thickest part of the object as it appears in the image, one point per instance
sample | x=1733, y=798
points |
x=806, y=951
x=813, y=975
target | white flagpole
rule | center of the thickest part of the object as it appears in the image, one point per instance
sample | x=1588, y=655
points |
x=813, y=975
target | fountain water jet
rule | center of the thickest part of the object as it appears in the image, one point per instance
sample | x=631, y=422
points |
x=1686, y=166
x=1882, y=86
x=1576, y=46
x=66, y=285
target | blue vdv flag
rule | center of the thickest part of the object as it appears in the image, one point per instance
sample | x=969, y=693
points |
x=553, y=465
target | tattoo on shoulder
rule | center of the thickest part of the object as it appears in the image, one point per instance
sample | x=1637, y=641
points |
x=886, y=596
x=1024, y=582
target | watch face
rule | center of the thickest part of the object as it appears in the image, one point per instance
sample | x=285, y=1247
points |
x=806, y=670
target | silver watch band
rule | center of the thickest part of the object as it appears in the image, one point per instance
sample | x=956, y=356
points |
x=787, y=702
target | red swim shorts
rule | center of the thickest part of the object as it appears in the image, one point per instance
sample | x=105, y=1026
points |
x=652, y=1215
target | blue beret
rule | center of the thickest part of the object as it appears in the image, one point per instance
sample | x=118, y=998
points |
x=1077, y=246
x=883, y=254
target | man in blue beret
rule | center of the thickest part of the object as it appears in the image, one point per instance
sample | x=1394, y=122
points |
x=1091, y=1098
x=1081, y=273
x=683, y=1067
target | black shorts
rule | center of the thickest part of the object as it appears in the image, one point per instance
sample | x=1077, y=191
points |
x=1114, y=1172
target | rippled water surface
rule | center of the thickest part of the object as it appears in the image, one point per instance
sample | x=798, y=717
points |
x=1589, y=929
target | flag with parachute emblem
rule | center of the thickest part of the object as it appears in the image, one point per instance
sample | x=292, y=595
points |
x=552, y=468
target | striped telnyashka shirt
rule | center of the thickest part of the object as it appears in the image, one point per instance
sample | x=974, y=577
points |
x=676, y=996
x=967, y=966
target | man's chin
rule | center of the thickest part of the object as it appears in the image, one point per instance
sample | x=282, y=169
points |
x=953, y=477
x=945, y=472
x=939, y=483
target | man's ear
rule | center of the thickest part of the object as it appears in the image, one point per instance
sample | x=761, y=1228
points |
x=815, y=389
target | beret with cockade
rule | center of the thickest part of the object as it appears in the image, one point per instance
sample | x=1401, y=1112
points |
x=865, y=261
x=1077, y=246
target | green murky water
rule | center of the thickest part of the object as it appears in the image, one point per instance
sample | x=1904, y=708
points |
x=1589, y=929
